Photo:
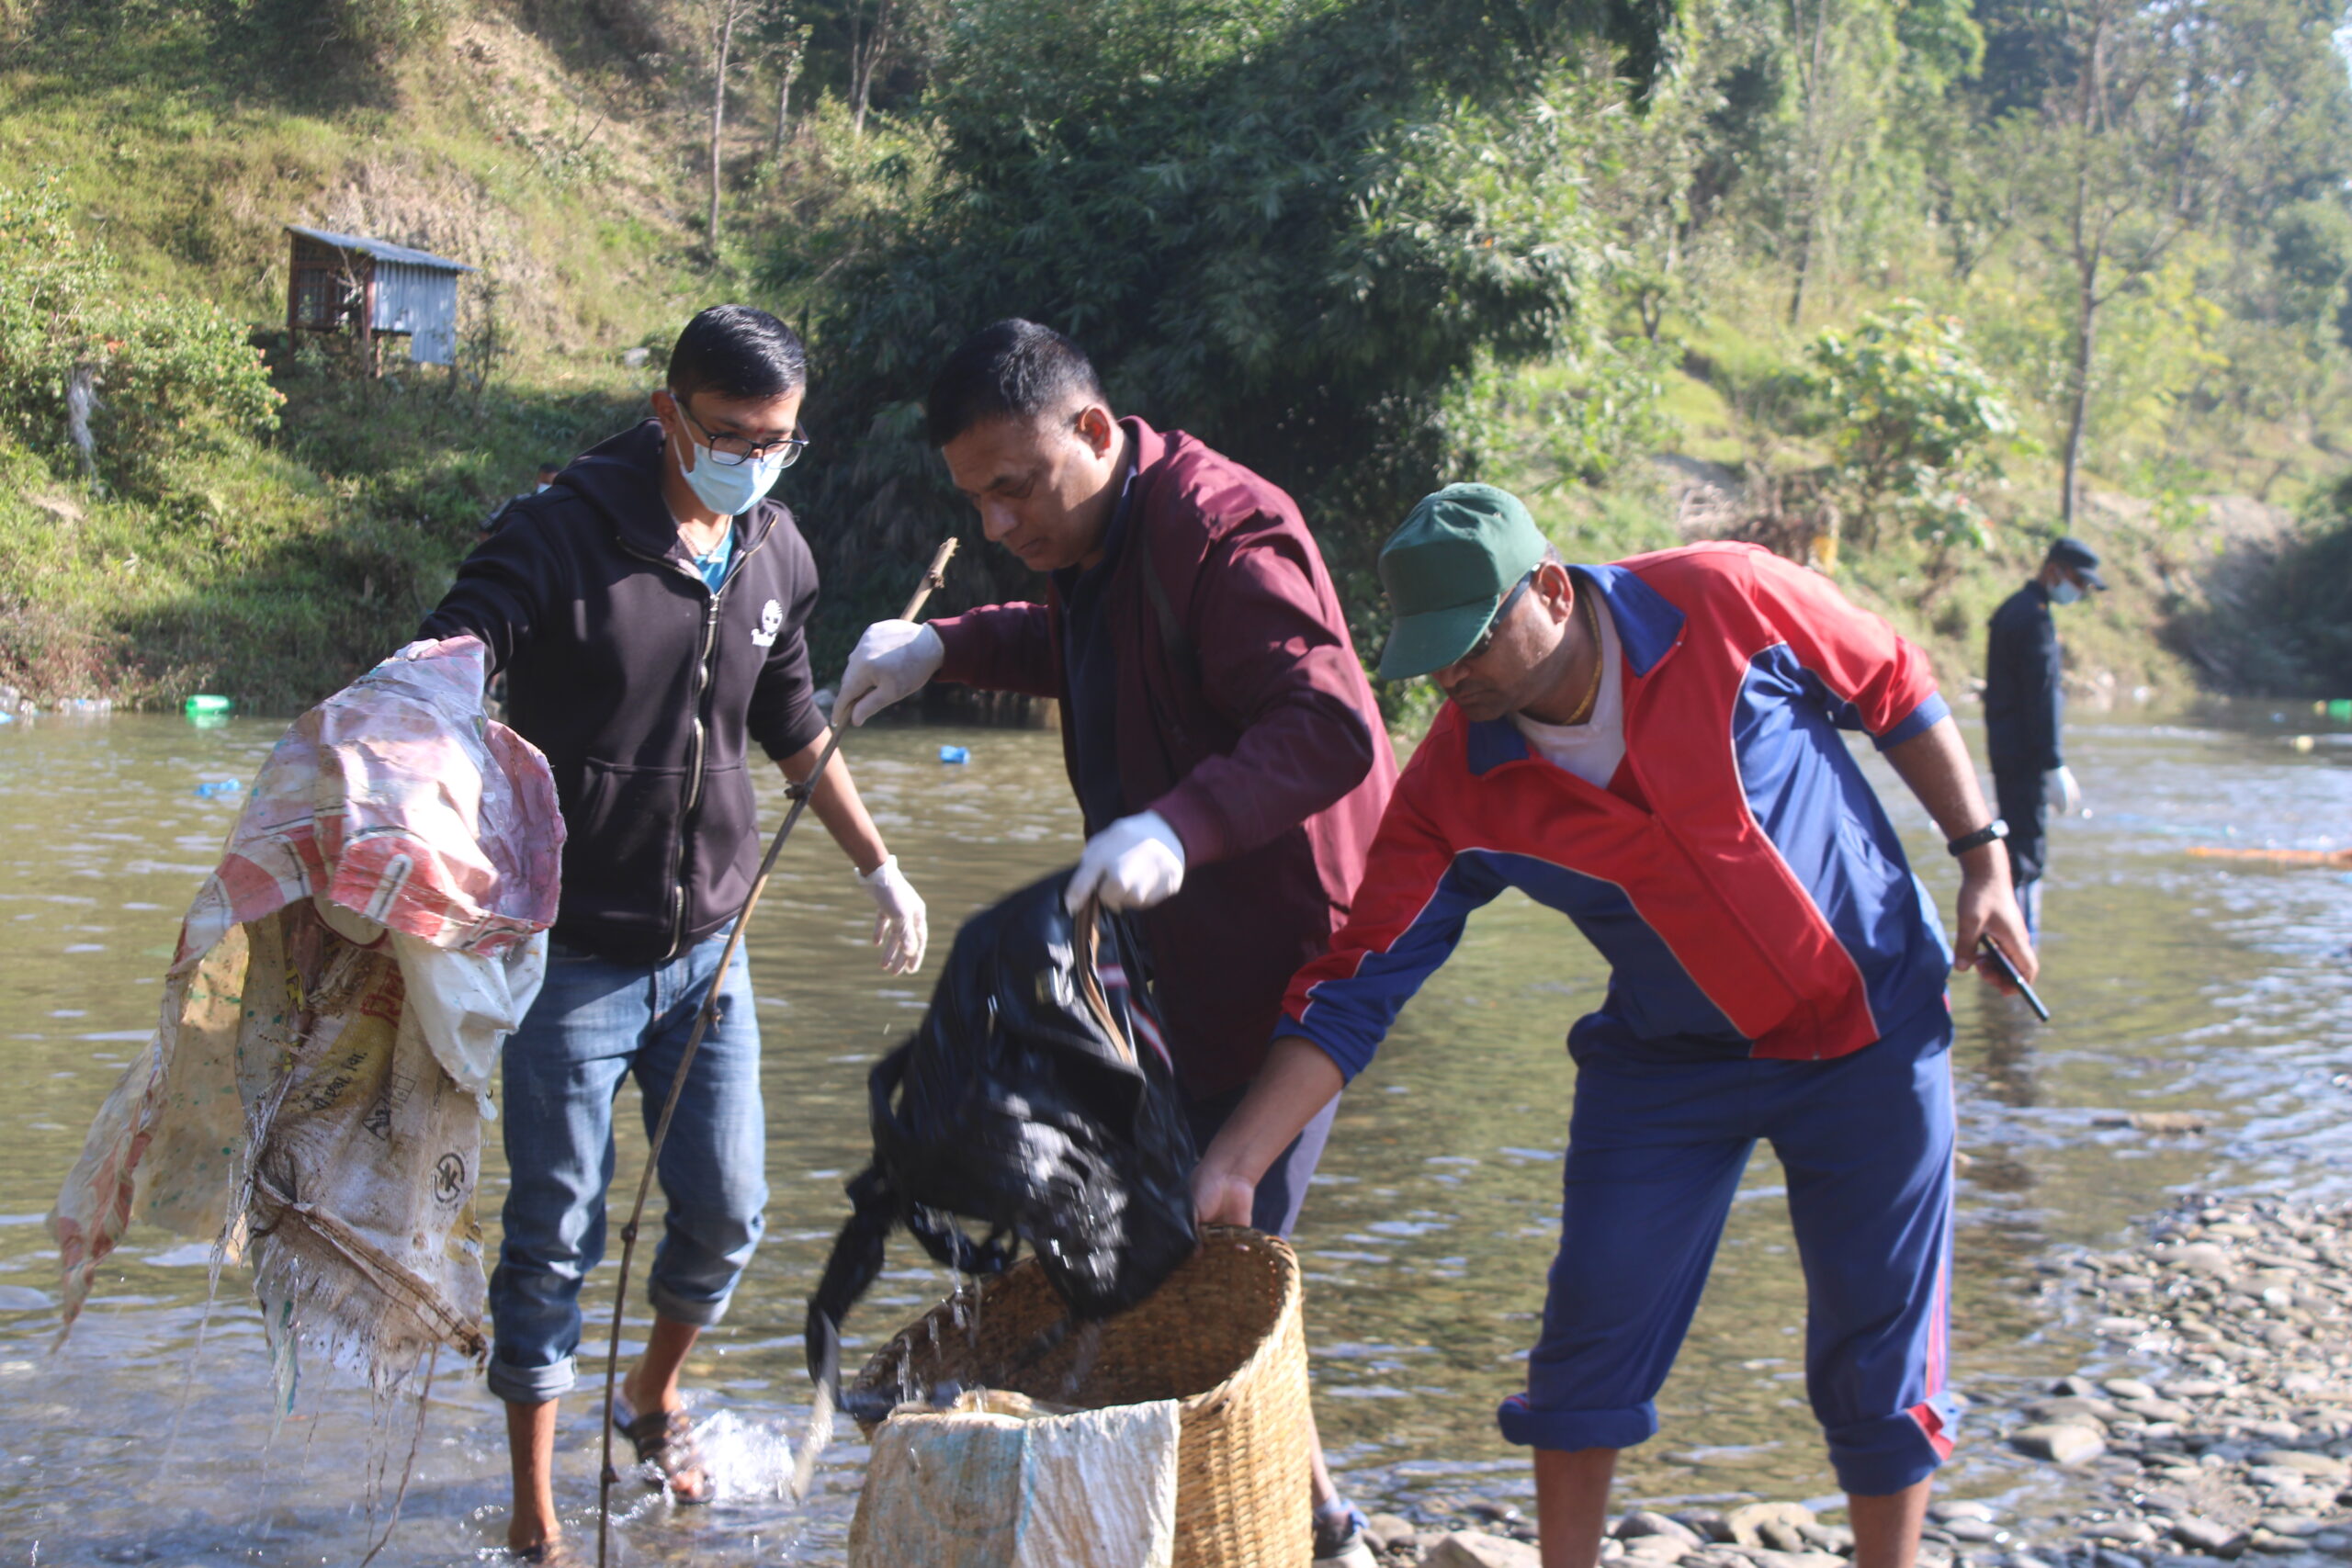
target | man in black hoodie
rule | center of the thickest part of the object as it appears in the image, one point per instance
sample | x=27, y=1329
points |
x=647, y=609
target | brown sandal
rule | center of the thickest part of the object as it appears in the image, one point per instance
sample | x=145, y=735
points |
x=665, y=1439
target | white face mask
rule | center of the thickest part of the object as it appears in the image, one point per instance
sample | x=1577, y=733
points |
x=731, y=490
x=2066, y=592
x=536, y=488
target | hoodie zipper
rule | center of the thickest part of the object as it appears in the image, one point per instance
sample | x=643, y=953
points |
x=697, y=738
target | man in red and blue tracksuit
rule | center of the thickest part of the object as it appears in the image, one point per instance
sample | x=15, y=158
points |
x=1653, y=748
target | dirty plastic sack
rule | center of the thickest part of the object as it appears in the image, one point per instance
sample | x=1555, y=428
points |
x=1036, y=1100
x=969, y=1490
x=312, y=1097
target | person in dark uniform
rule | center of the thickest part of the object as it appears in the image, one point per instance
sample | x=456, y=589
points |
x=2024, y=711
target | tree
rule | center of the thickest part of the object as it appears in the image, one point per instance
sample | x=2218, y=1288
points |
x=1295, y=228
x=725, y=16
x=786, y=37
x=2164, y=120
x=868, y=43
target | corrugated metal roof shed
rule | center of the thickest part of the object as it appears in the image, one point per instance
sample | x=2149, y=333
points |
x=382, y=250
x=399, y=289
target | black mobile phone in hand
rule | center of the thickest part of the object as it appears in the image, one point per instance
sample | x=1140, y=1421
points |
x=1992, y=949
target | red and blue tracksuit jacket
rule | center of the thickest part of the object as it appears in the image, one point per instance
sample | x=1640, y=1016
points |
x=1740, y=876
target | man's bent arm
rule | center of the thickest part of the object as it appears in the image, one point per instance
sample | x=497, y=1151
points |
x=1298, y=1081
x=836, y=802
x=1000, y=648
x=1270, y=661
x=1935, y=764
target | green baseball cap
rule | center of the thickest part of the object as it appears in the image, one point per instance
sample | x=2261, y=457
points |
x=1459, y=551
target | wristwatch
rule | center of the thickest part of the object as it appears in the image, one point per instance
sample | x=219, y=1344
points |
x=1990, y=832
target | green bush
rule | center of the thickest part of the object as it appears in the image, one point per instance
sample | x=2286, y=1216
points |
x=1921, y=430
x=169, y=376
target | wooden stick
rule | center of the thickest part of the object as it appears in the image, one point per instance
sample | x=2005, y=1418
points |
x=933, y=576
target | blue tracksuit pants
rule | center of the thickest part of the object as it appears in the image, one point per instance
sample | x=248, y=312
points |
x=1655, y=1150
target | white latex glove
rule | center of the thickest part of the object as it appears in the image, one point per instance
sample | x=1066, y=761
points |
x=891, y=661
x=1134, y=864
x=901, y=924
x=2058, y=786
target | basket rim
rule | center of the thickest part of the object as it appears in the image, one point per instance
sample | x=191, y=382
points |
x=1291, y=1300
x=1292, y=1289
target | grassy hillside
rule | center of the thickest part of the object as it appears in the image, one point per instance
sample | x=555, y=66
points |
x=272, y=567
x=559, y=148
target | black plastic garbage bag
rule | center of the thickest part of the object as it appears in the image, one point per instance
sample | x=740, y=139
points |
x=1030, y=1101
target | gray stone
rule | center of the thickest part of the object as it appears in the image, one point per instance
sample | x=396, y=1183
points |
x=1708, y=1522
x=1654, y=1550
x=2162, y=1411
x=2325, y=1467
x=1767, y=1558
x=1748, y=1522
x=2206, y=1535
x=2060, y=1444
x=1387, y=1530
x=2291, y=1524
x=2127, y=1389
x=2203, y=1258
x=1977, y=1530
x=2124, y=1532
x=1944, y=1513
x=1477, y=1549
x=1829, y=1538
x=2081, y=1411
x=1643, y=1522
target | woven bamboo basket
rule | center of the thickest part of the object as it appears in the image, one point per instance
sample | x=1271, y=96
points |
x=1223, y=1338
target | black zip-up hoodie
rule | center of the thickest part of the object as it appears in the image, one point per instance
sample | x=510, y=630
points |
x=642, y=686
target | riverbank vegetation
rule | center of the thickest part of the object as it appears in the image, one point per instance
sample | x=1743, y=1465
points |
x=1902, y=286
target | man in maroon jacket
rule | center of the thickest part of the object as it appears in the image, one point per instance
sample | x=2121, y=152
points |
x=1229, y=758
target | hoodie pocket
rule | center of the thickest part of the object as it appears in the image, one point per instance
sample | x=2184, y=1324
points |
x=619, y=835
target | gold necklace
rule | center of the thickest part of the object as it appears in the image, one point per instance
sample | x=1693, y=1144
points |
x=1586, y=704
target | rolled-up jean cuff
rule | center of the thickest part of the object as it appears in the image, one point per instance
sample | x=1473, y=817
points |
x=1878, y=1459
x=533, y=1385
x=1569, y=1430
x=679, y=1309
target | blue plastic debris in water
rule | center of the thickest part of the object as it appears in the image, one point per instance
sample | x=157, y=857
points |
x=6, y=717
x=219, y=789
x=954, y=754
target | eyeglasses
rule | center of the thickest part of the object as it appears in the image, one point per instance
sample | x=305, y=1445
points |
x=1503, y=610
x=730, y=451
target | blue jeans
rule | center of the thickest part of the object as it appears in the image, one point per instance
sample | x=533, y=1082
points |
x=594, y=1024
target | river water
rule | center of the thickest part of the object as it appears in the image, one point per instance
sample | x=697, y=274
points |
x=2178, y=983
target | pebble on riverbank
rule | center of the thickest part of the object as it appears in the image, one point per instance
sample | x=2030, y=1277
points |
x=2233, y=1441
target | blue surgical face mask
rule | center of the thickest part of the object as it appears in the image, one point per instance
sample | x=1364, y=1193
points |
x=731, y=490
x=2066, y=592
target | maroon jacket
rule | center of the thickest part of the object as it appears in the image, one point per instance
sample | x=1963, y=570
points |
x=1272, y=766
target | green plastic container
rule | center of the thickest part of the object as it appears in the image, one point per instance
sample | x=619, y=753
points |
x=2340, y=710
x=204, y=702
